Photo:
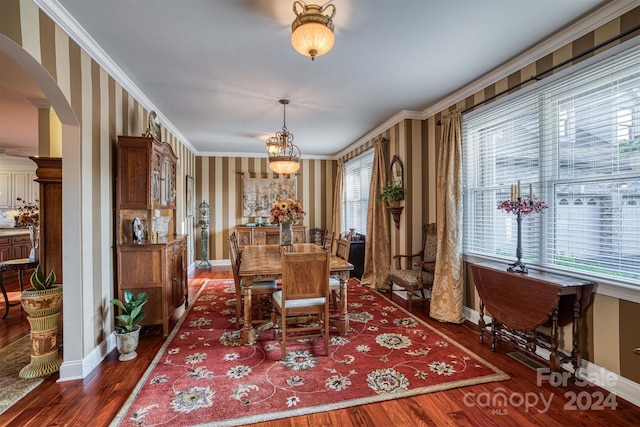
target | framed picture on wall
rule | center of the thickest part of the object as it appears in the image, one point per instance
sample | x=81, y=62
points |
x=191, y=200
x=259, y=194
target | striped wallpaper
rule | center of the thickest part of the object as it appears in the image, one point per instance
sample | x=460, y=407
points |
x=219, y=183
x=94, y=110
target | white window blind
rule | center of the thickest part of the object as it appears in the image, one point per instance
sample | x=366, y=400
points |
x=357, y=180
x=576, y=140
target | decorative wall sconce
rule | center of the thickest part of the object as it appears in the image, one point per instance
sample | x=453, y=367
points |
x=203, y=221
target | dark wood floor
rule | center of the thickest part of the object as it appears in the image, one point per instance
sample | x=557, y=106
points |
x=95, y=400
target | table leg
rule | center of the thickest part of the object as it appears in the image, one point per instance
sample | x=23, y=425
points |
x=21, y=284
x=576, y=357
x=248, y=334
x=481, y=322
x=554, y=360
x=6, y=297
x=343, y=319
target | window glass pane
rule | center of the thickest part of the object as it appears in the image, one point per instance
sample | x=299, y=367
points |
x=575, y=141
x=357, y=178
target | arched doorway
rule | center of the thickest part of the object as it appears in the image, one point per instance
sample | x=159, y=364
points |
x=72, y=254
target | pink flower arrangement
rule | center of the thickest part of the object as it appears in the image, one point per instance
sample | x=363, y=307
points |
x=522, y=206
x=286, y=211
x=28, y=214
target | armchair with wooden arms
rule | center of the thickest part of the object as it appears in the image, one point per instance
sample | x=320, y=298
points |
x=305, y=292
x=418, y=276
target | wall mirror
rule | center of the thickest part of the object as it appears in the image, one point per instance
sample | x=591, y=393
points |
x=396, y=171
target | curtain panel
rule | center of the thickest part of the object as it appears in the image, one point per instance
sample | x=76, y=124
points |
x=377, y=246
x=447, y=295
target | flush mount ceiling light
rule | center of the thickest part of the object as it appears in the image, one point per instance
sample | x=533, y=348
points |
x=284, y=156
x=312, y=32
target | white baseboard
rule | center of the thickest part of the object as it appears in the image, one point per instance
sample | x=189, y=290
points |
x=622, y=387
x=79, y=369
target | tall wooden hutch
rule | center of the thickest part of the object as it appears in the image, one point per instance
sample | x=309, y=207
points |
x=146, y=188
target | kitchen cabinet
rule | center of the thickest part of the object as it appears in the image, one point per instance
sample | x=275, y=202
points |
x=146, y=187
x=20, y=247
x=17, y=184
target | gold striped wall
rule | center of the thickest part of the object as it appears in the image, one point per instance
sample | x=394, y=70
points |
x=219, y=183
x=408, y=140
x=103, y=110
x=611, y=325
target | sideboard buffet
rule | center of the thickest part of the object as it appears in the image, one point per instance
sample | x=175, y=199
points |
x=147, y=259
x=266, y=235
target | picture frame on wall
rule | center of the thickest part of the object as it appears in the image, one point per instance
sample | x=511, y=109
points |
x=258, y=194
x=191, y=200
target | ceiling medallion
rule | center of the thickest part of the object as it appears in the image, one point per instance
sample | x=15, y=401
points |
x=284, y=156
x=311, y=31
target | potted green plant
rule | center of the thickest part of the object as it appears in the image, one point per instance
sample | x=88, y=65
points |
x=42, y=302
x=391, y=195
x=128, y=332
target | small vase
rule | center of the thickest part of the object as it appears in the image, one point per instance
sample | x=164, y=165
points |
x=286, y=234
x=34, y=239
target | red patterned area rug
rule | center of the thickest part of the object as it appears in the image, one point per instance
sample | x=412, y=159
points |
x=203, y=376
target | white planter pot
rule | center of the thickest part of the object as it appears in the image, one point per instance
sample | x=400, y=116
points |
x=127, y=344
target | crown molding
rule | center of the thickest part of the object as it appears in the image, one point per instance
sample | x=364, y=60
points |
x=258, y=155
x=69, y=25
x=567, y=35
x=402, y=115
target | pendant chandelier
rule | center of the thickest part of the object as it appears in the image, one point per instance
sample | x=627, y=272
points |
x=311, y=31
x=284, y=156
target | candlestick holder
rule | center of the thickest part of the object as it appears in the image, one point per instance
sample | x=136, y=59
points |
x=519, y=266
x=520, y=207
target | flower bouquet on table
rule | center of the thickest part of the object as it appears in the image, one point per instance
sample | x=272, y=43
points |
x=286, y=211
x=28, y=214
x=522, y=206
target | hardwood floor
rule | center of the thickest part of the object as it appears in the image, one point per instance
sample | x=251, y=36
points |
x=95, y=400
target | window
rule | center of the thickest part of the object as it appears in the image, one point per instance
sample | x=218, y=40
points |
x=575, y=138
x=357, y=180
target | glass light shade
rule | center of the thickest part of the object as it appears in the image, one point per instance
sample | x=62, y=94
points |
x=273, y=145
x=312, y=39
x=284, y=164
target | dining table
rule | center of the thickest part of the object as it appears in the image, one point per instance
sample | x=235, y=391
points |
x=264, y=262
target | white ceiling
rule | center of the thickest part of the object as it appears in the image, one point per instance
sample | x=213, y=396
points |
x=214, y=70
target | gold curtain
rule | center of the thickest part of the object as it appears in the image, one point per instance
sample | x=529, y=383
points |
x=377, y=245
x=336, y=224
x=448, y=285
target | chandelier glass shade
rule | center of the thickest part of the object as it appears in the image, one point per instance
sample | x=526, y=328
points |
x=284, y=156
x=312, y=30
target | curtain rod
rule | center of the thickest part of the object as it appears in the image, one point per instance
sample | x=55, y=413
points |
x=540, y=75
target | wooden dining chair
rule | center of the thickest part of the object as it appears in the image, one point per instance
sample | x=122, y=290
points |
x=419, y=275
x=259, y=289
x=305, y=292
x=342, y=251
x=328, y=240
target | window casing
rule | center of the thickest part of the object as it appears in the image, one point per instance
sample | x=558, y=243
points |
x=357, y=181
x=576, y=139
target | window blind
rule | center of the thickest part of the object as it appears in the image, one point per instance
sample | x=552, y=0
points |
x=357, y=180
x=576, y=141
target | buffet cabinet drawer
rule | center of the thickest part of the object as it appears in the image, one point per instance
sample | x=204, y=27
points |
x=267, y=235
